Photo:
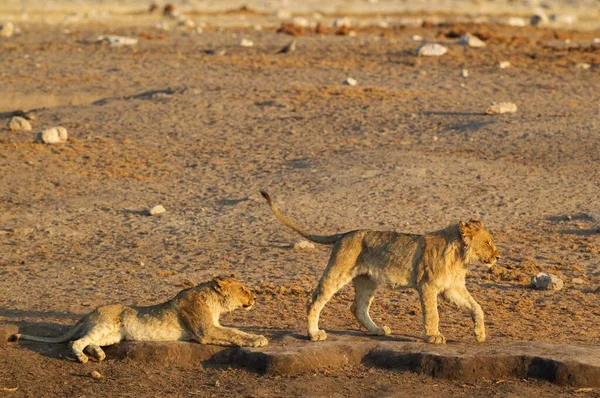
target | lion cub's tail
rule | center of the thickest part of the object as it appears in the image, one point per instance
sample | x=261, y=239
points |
x=323, y=239
x=60, y=339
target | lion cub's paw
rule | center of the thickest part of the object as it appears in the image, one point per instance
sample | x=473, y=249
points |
x=437, y=339
x=319, y=335
x=258, y=341
x=82, y=358
x=480, y=335
x=382, y=331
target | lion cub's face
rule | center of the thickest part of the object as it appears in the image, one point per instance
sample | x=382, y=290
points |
x=479, y=241
x=238, y=294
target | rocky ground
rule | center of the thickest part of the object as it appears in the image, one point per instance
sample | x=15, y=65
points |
x=176, y=121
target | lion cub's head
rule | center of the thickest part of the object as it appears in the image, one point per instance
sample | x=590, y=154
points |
x=479, y=242
x=236, y=293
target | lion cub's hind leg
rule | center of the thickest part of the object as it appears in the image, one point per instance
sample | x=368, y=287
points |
x=100, y=335
x=364, y=292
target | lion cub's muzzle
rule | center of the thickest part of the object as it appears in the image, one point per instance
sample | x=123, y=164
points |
x=249, y=304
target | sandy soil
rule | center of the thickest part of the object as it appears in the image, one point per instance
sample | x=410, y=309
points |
x=407, y=149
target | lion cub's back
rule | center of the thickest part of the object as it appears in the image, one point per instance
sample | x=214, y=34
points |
x=152, y=323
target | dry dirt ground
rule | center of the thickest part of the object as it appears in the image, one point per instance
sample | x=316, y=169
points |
x=407, y=149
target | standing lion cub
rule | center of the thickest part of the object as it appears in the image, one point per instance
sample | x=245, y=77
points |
x=433, y=264
x=193, y=314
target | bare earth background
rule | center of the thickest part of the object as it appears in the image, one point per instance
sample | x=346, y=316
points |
x=407, y=149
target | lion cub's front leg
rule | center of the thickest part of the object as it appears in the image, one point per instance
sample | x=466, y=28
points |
x=220, y=335
x=431, y=318
x=461, y=297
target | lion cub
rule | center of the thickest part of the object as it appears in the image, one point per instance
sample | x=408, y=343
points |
x=193, y=314
x=433, y=264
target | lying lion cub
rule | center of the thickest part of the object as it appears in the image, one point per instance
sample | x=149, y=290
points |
x=192, y=314
x=434, y=263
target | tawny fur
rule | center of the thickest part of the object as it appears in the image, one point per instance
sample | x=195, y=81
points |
x=434, y=264
x=193, y=314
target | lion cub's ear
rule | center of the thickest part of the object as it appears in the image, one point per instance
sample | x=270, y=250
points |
x=220, y=284
x=466, y=231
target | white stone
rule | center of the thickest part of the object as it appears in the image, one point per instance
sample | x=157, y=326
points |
x=301, y=22
x=350, y=82
x=302, y=245
x=246, y=43
x=583, y=65
x=53, y=135
x=417, y=37
x=596, y=40
x=498, y=108
x=516, y=21
x=18, y=123
x=158, y=209
x=431, y=50
x=503, y=64
x=565, y=19
x=464, y=73
x=7, y=29
x=543, y=281
x=341, y=22
x=163, y=25
x=471, y=41
x=117, y=41
x=283, y=14
x=383, y=24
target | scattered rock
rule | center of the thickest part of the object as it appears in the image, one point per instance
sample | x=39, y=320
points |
x=583, y=65
x=217, y=383
x=158, y=209
x=289, y=48
x=431, y=50
x=94, y=374
x=516, y=21
x=498, y=108
x=302, y=245
x=246, y=43
x=543, y=281
x=117, y=41
x=54, y=135
x=503, y=64
x=416, y=38
x=163, y=25
x=464, y=73
x=540, y=18
x=18, y=123
x=291, y=29
x=169, y=10
x=216, y=52
x=341, y=22
x=471, y=41
x=350, y=82
x=565, y=19
x=577, y=281
x=596, y=40
x=321, y=29
x=7, y=29
x=301, y=22
x=283, y=14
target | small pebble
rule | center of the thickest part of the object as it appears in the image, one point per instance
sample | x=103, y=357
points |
x=18, y=123
x=289, y=48
x=350, y=82
x=7, y=29
x=498, y=108
x=596, y=40
x=159, y=209
x=543, y=281
x=54, y=135
x=302, y=245
x=301, y=22
x=94, y=374
x=246, y=43
x=471, y=41
x=583, y=65
x=577, y=281
x=503, y=64
x=464, y=73
x=341, y=22
x=516, y=21
x=117, y=41
x=416, y=38
x=432, y=50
